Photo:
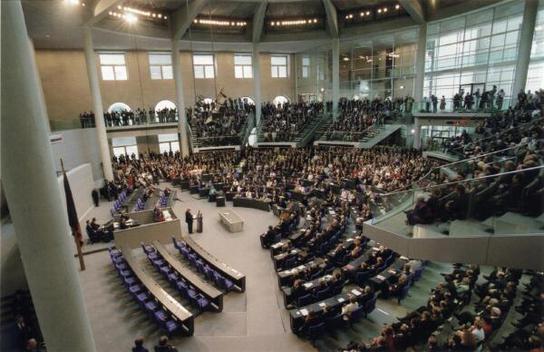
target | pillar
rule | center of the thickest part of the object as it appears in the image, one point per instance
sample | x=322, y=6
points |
x=32, y=191
x=180, y=100
x=102, y=137
x=335, y=76
x=417, y=133
x=525, y=43
x=420, y=64
x=257, y=82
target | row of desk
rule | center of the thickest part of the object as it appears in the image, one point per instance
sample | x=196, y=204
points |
x=234, y=275
x=211, y=293
x=297, y=316
x=184, y=316
x=261, y=204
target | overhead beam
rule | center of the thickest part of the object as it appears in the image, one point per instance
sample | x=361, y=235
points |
x=414, y=9
x=258, y=22
x=332, y=18
x=184, y=16
x=101, y=9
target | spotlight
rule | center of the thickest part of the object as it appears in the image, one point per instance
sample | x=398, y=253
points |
x=379, y=10
x=368, y=13
x=130, y=18
x=385, y=9
x=397, y=7
x=413, y=131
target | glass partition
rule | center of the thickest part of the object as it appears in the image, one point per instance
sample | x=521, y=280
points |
x=501, y=203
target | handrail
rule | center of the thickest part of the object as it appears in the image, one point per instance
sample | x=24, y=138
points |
x=464, y=181
x=472, y=158
x=504, y=132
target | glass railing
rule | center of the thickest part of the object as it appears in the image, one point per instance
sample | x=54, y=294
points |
x=503, y=203
x=217, y=141
x=467, y=167
x=450, y=106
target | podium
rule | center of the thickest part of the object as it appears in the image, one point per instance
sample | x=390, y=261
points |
x=199, y=224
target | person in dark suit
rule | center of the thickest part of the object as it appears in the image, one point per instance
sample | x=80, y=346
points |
x=163, y=345
x=139, y=345
x=189, y=220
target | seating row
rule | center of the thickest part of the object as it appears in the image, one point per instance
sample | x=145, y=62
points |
x=171, y=316
x=187, y=290
x=118, y=204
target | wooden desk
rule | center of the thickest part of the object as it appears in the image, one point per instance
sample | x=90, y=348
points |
x=261, y=204
x=237, y=277
x=211, y=293
x=232, y=221
x=297, y=315
x=286, y=277
x=184, y=316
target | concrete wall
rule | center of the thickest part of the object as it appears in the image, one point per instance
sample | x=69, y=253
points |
x=67, y=94
x=78, y=147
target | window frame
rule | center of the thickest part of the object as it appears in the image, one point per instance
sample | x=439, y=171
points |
x=204, y=67
x=275, y=69
x=115, y=68
x=162, y=67
x=243, y=67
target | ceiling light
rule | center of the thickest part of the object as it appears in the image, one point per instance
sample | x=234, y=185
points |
x=379, y=10
x=368, y=13
x=130, y=18
x=401, y=87
x=397, y=7
x=72, y=2
x=119, y=7
x=83, y=4
x=385, y=9
x=346, y=58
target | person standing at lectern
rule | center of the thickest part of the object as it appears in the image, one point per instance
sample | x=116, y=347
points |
x=189, y=220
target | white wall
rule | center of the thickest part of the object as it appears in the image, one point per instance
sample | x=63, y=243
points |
x=81, y=184
x=78, y=147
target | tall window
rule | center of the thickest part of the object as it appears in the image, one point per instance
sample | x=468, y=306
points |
x=113, y=67
x=203, y=65
x=124, y=146
x=160, y=66
x=168, y=142
x=477, y=48
x=243, y=66
x=305, y=66
x=535, y=75
x=278, y=64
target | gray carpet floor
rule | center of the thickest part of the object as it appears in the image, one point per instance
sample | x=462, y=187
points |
x=255, y=320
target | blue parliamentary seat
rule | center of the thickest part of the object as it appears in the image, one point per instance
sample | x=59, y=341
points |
x=135, y=289
x=161, y=316
x=305, y=300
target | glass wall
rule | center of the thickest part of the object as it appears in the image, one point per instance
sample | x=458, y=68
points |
x=313, y=74
x=535, y=76
x=381, y=66
x=473, y=50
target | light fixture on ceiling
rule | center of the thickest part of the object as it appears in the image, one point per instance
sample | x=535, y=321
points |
x=345, y=58
x=130, y=18
x=72, y=2
x=397, y=7
x=379, y=10
x=401, y=87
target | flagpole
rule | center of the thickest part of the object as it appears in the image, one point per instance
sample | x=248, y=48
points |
x=74, y=235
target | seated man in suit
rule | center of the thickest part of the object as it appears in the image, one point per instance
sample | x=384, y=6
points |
x=163, y=345
x=349, y=308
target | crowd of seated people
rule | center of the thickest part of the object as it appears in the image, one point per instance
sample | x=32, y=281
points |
x=517, y=190
x=501, y=129
x=161, y=346
x=357, y=118
x=418, y=326
x=283, y=122
x=529, y=333
x=219, y=122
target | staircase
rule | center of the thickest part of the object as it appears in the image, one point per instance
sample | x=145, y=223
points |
x=379, y=135
x=302, y=138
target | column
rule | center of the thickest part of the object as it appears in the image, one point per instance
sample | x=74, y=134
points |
x=32, y=192
x=256, y=60
x=102, y=137
x=525, y=44
x=180, y=100
x=335, y=75
x=417, y=133
x=420, y=64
